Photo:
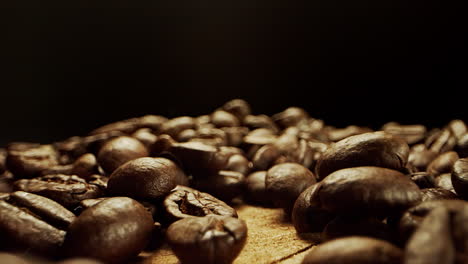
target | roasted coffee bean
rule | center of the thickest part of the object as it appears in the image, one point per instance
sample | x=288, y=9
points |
x=285, y=182
x=162, y=144
x=118, y=151
x=128, y=126
x=430, y=194
x=410, y=133
x=29, y=162
x=199, y=159
x=145, y=136
x=6, y=182
x=255, y=189
x=112, y=231
x=87, y=203
x=3, y=155
x=353, y=225
x=291, y=116
x=432, y=241
x=462, y=146
x=65, y=189
x=226, y=185
x=337, y=134
x=222, y=118
x=260, y=136
x=443, y=163
x=239, y=163
x=235, y=135
x=444, y=181
x=458, y=128
x=146, y=178
x=210, y=136
x=307, y=215
x=441, y=141
x=265, y=157
x=420, y=157
x=27, y=224
x=355, y=249
x=371, y=190
x=85, y=166
x=8, y=258
x=459, y=177
x=260, y=121
x=368, y=149
x=422, y=179
x=183, y=202
x=208, y=240
x=176, y=125
x=186, y=135
x=459, y=230
x=238, y=107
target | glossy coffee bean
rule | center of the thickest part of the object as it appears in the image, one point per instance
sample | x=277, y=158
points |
x=239, y=163
x=260, y=136
x=442, y=163
x=85, y=166
x=285, y=182
x=208, y=240
x=368, y=149
x=112, y=231
x=225, y=185
x=183, y=202
x=65, y=189
x=459, y=177
x=146, y=178
x=265, y=157
x=238, y=107
x=118, y=151
x=29, y=162
x=430, y=194
x=260, y=121
x=355, y=249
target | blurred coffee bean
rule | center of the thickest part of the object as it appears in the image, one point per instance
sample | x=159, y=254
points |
x=162, y=144
x=444, y=181
x=183, y=202
x=260, y=121
x=145, y=136
x=85, y=166
x=462, y=146
x=285, y=182
x=430, y=194
x=235, y=135
x=29, y=162
x=186, y=135
x=420, y=157
x=210, y=136
x=222, y=118
x=260, y=136
x=459, y=230
x=458, y=128
x=442, y=163
x=368, y=149
x=238, y=107
x=225, y=185
x=337, y=134
x=8, y=258
x=354, y=225
x=128, y=126
x=355, y=249
x=239, y=163
x=370, y=190
x=291, y=116
x=441, y=141
x=422, y=179
x=208, y=240
x=146, y=178
x=176, y=125
x=459, y=177
x=307, y=214
x=3, y=155
x=6, y=182
x=87, y=203
x=118, y=151
x=255, y=188
x=432, y=241
x=112, y=231
x=265, y=157
x=410, y=133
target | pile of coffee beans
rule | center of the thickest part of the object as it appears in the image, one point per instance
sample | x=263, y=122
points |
x=392, y=195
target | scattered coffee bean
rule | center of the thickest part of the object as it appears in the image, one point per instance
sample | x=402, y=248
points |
x=410, y=133
x=226, y=185
x=119, y=150
x=30, y=161
x=443, y=163
x=354, y=225
x=420, y=157
x=128, y=126
x=255, y=188
x=422, y=179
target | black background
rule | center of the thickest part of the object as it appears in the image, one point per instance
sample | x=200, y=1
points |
x=70, y=66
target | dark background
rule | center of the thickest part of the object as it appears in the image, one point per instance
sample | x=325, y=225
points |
x=70, y=66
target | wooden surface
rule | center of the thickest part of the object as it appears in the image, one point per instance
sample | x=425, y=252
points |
x=272, y=239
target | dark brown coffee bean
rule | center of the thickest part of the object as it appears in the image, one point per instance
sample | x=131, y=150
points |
x=145, y=136
x=441, y=141
x=118, y=151
x=444, y=181
x=420, y=157
x=371, y=190
x=410, y=133
x=183, y=202
x=112, y=231
x=199, y=159
x=24, y=231
x=368, y=149
x=225, y=185
x=85, y=166
x=260, y=121
x=146, y=178
x=239, y=163
x=29, y=162
x=355, y=249
x=432, y=241
x=307, y=215
x=459, y=177
x=285, y=182
x=459, y=230
x=222, y=118
x=265, y=157
x=255, y=189
x=352, y=225
x=238, y=107
x=64, y=189
x=337, y=134
x=430, y=194
x=443, y=163
x=208, y=240
x=128, y=126
x=422, y=179
x=176, y=125
x=291, y=116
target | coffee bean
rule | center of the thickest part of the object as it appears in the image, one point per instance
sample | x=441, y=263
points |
x=422, y=179
x=458, y=128
x=444, y=181
x=226, y=185
x=462, y=146
x=420, y=157
x=260, y=136
x=146, y=178
x=235, y=135
x=162, y=144
x=459, y=230
x=430, y=194
x=432, y=241
x=368, y=149
x=442, y=163
x=410, y=133
x=6, y=182
x=128, y=126
x=441, y=141
x=145, y=136
x=176, y=125
x=285, y=182
x=238, y=107
x=307, y=215
x=354, y=225
x=65, y=189
x=183, y=202
x=3, y=155
x=222, y=118
x=255, y=188
x=355, y=249
x=459, y=177
x=209, y=240
x=291, y=116
x=29, y=162
x=337, y=134
x=210, y=136
x=119, y=150
x=85, y=166
x=112, y=231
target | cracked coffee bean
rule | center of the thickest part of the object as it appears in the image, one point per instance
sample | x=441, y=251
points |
x=112, y=231
x=368, y=149
x=183, y=202
x=146, y=178
x=208, y=240
x=118, y=151
x=355, y=249
x=459, y=177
